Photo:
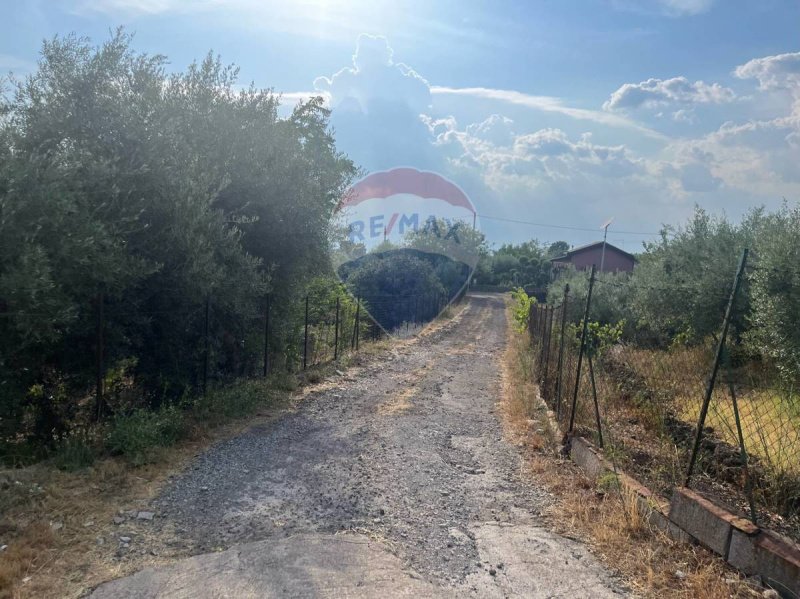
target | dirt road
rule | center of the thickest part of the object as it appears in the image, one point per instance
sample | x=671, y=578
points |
x=395, y=480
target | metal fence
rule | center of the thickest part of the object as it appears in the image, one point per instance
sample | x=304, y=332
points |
x=688, y=415
x=120, y=357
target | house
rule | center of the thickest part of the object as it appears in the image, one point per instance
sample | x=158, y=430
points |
x=582, y=258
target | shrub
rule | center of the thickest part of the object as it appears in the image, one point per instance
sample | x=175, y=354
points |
x=234, y=401
x=139, y=434
x=74, y=452
x=522, y=308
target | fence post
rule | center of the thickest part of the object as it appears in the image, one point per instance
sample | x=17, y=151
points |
x=358, y=322
x=206, y=344
x=305, y=337
x=583, y=349
x=748, y=480
x=266, y=334
x=712, y=379
x=594, y=396
x=549, y=338
x=531, y=319
x=336, y=333
x=542, y=341
x=560, y=365
x=354, y=339
x=99, y=357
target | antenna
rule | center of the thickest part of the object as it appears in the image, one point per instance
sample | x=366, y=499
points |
x=605, y=226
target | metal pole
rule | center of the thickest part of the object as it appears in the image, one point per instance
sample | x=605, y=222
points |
x=358, y=319
x=266, y=334
x=737, y=283
x=542, y=338
x=336, y=333
x=531, y=317
x=305, y=337
x=549, y=338
x=99, y=357
x=594, y=395
x=748, y=481
x=206, y=344
x=354, y=343
x=561, y=351
x=583, y=349
x=603, y=253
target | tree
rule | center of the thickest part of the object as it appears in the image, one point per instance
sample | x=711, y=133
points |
x=396, y=286
x=775, y=291
x=157, y=193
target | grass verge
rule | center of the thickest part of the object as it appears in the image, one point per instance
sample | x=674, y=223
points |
x=650, y=562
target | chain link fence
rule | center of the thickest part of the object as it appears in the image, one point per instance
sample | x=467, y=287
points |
x=706, y=415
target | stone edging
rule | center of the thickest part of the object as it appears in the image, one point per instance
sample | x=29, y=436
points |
x=692, y=518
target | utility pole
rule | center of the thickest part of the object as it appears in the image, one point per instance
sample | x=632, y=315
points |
x=605, y=226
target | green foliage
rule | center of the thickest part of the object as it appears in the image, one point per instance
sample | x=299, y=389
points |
x=602, y=336
x=397, y=285
x=610, y=296
x=137, y=436
x=775, y=292
x=525, y=264
x=521, y=308
x=159, y=191
x=233, y=401
x=682, y=282
x=73, y=453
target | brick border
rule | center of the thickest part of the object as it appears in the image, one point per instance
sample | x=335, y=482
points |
x=692, y=518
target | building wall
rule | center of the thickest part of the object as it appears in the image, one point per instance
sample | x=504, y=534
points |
x=614, y=260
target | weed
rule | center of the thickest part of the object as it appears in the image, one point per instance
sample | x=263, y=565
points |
x=138, y=435
x=235, y=401
x=73, y=453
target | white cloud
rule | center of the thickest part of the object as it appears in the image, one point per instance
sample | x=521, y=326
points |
x=659, y=92
x=375, y=78
x=383, y=114
x=773, y=72
x=547, y=104
x=497, y=129
x=292, y=98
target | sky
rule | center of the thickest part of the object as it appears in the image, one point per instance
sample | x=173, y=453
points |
x=558, y=114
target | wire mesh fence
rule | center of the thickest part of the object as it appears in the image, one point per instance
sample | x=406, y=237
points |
x=704, y=415
x=121, y=357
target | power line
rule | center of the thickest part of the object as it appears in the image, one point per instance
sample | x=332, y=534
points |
x=566, y=227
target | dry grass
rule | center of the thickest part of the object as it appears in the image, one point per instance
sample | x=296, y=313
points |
x=651, y=563
x=770, y=417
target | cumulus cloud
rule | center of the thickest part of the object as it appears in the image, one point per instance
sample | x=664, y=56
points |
x=773, y=72
x=547, y=153
x=384, y=116
x=496, y=129
x=375, y=78
x=659, y=92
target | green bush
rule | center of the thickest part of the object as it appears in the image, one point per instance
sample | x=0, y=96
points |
x=138, y=435
x=234, y=401
x=522, y=308
x=74, y=452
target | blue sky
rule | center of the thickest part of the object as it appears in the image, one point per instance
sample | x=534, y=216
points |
x=561, y=113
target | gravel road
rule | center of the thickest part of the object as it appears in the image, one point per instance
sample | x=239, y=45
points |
x=406, y=458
